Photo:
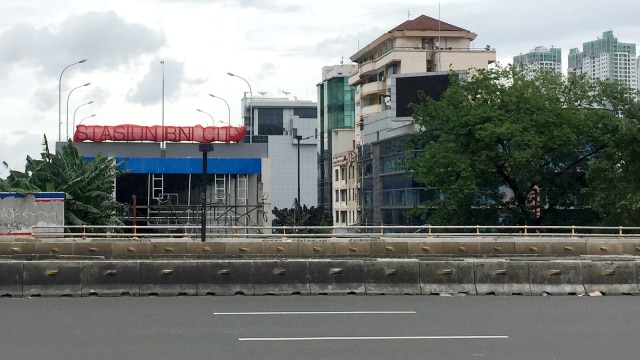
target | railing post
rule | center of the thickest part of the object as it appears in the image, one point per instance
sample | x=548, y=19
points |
x=525, y=231
x=185, y=235
x=430, y=234
x=381, y=231
x=620, y=232
x=84, y=231
x=235, y=231
x=477, y=230
x=573, y=231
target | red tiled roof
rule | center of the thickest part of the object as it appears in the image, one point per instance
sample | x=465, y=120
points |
x=424, y=22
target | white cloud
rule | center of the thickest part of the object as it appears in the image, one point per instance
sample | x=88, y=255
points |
x=275, y=44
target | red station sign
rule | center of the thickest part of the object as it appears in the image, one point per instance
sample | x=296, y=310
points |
x=157, y=133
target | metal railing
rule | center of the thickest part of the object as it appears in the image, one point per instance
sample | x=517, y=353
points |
x=193, y=232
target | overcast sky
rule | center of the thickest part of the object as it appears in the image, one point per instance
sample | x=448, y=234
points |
x=276, y=45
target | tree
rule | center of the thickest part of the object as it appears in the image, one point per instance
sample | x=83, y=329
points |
x=88, y=185
x=314, y=216
x=614, y=180
x=513, y=147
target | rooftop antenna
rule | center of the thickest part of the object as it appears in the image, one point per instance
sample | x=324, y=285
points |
x=341, y=60
x=286, y=93
x=408, y=14
x=262, y=93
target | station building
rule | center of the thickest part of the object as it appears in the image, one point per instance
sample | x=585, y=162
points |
x=248, y=173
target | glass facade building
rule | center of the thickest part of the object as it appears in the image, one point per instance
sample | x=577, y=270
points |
x=336, y=110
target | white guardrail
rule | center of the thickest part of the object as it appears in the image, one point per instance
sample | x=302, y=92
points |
x=194, y=232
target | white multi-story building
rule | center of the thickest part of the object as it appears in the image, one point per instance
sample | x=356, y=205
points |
x=606, y=58
x=417, y=55
x=541, y=57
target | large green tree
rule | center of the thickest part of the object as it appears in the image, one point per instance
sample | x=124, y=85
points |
x=88, y=185
x=520, y=147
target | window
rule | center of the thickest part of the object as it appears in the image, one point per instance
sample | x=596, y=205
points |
x=270, y=121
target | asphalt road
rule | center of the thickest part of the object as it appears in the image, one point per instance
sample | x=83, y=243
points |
x=321, y=327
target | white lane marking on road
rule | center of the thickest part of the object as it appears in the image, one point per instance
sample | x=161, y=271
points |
x=475, y=337
x=313, y=312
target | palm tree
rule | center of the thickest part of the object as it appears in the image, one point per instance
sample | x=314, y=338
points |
x=88, y=185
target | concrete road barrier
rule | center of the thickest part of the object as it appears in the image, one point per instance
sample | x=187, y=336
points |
x=449, y=276
x=392, y=276
x=426, y=248
x=556, y=277
x=52, y=278
x=11, y=278
x=225, y=277
x=336, y=277
x=610, y=277
x=168, y=278
x=277, y=277
x=101, y=249
x=501, y=277
x=111, y=278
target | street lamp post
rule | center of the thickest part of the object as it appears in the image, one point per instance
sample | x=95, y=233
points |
x=60, y=99
x=228, y=108
x=204, y=148
x=250, y=105
x=74, y=113
x=68, y=96
x=85, y=118
x=163, y=143
x=204, y=112
x=296, y=214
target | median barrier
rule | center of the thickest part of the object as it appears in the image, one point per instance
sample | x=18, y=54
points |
x=568, y=248
x=426, y=248
x=336, y=277
x=171, y=249
x=283, y=248
x=314, y=249
x=556, y=277
x=610, y=277
x=213, y=249
x=17, y=248
x=496, y=248
x=389, y=248
x=111, y=278
x=630, y=247
x=102, y=249
x=276, y=277
x=130, y=249
x=447, y=277
x=502, y=277
x=461, y=247
x=168, y=278
x=56, y=249
x=11, y=277
x=353, y=248
x=533, y=248
x=392, y=277
x=242, y=248
x=224, y=277
x=52, y=278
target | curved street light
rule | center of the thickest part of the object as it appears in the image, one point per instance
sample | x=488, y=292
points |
x=68, y=96
x=204, y=112
x=250, y=104
x=228, y=108
x=60, y=98
x=74, y=113
x=85, y=118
